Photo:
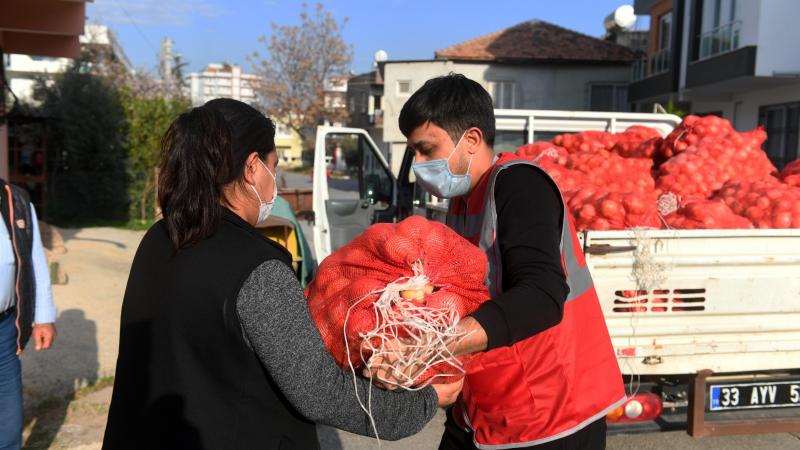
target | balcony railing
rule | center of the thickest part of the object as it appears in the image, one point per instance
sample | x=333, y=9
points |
x=721, y=39
x=639, y=69
x=659, y=62
x=656, y=64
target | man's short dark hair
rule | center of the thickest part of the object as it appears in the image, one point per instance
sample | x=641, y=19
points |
x=452, y=102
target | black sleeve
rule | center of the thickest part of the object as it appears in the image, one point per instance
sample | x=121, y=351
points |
x=529, y=218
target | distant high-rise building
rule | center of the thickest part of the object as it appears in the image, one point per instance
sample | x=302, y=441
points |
x=165, y=62
x=222, y=80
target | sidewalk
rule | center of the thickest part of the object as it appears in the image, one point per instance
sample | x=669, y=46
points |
x=97, y=263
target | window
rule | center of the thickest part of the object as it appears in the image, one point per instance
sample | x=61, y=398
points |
x=375, y=183
x=608, y=97
x=404, y=87
x=504, y=94
x=782, y=123
x=719, y=27
x=282, y=131
x=363, y=104
x=377, y=102
x=665, y=31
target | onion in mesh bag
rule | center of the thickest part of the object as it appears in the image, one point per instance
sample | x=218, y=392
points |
x=412, y=280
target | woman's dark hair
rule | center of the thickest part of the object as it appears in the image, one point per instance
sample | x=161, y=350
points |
x=452, y=102
x=204, y=150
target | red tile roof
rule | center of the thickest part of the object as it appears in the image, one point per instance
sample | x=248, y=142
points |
x=537, y=40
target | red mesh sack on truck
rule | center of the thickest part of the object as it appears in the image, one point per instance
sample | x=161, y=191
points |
x=587, y=141
x=613, y=172
x=707, y=215
x=704, y=167
x=441, y=271
x=767, y=203
x=791, y=173
x=637, y=142
x=691, y=131
x=566, y=179
x=541, y=150
x=594, y=208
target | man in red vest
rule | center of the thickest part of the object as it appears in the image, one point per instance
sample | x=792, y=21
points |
x=544, y=374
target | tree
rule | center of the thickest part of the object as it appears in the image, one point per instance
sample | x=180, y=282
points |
x=178, y=66
x=302, y=60
x=148, y=120
x=87, y=177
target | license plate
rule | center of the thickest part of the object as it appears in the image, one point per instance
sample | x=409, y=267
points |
x=767, y=394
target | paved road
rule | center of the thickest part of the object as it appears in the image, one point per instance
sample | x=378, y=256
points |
x=428, y=439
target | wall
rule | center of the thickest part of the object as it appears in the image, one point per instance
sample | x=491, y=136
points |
x=745, y=116
x=753, y=100
x=290, y=146
x=749, y=12
x=657, y=10
x=539, y=87
x=703, y=107
x=22, y=71
x=778, y=35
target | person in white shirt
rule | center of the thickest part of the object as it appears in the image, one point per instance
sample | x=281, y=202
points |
x=26, y=303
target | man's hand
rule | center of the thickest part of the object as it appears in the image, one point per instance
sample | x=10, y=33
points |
x=387, y=370
x=474, y=340
x=448, y=393
x=43, y=335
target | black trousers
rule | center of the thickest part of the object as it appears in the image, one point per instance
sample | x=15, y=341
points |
x=593, y=437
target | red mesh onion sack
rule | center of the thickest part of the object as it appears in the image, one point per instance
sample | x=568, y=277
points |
x=355, y=277
x=767, y=203
x=691, y=130
x=540, y=150
x=586, y=141
x=595, y=208
x=637, y=142
x=704, y=167
x=707, y=215
x=566, y=179
x=613, y=172
x=791, y=173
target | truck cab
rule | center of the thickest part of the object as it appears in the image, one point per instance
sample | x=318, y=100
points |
x=354, y=186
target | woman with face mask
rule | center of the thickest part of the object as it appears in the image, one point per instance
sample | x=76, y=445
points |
x=217, y=346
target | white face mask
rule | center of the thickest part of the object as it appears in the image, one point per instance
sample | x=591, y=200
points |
x=264, y=208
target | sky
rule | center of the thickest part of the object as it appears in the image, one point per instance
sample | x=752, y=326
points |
x=215, y=31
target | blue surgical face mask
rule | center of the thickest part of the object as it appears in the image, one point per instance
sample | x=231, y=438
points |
x=437, y=178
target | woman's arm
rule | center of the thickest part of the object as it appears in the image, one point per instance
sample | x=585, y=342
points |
x=279, y=327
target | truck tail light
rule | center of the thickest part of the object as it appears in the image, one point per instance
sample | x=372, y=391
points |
x=639, y=408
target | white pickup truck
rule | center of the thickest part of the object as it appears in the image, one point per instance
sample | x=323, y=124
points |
x=705, y=323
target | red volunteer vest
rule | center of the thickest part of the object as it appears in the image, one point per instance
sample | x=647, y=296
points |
x=554, y=383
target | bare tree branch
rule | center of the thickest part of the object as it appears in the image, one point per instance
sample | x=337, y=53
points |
x=302, y=60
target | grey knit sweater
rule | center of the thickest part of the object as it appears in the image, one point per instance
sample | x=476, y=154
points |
x=279, y=327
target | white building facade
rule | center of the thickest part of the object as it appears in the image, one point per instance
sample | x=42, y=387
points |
x=22, y=71
x=738, y=59
x=222, y=81
x=532, y=65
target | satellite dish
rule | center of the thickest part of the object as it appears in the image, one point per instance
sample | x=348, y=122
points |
x=622, y=18
x=381, y=56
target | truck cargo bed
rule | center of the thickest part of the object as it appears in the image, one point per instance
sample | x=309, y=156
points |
x=728, y=300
